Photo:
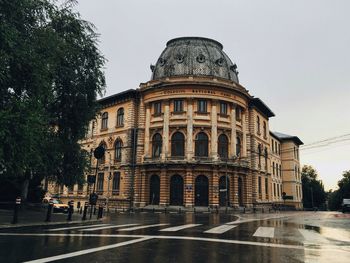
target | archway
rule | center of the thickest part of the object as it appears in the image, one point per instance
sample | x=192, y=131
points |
x=176, y=190
x=154, y=190
x=201, y=191
x=240, y=191
x=224, y=190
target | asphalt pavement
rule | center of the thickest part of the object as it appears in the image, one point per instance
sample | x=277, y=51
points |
x=185, y=237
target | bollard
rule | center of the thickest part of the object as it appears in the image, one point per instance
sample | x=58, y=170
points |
x=70, y=210
x=15, y=211
x=49, y=211
x=85, y=211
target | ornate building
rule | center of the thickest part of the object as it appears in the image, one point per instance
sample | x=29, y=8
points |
x=191, y=136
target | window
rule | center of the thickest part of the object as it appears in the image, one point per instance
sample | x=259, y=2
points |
x=266, y=159
x=157, y=108
x=201, y=147
x=178, y=105
x=223, y=108
x=116, y=183
x=259, y=153
x=100, y=180
x=273, y=168
x=278, y=190
x=258, y=124
x=238, y=147
x=120, y=117
x=202, y=106
x=118, y=150
x=259, y=184
x=280, y=170
x=238, y=114
x=178, y=144
x=265, y=130
x=223, y=146
x=266, y=187
x=274, y=189
x=273, y=146
x=104, y=124
x=156, y=145
x=276, y=147
x=103, y=159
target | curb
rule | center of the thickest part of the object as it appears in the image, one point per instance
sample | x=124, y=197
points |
x=50, y=223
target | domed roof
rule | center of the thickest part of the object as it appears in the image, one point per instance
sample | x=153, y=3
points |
x=194, y=56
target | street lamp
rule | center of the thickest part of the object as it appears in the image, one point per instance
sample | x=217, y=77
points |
x=109, y=179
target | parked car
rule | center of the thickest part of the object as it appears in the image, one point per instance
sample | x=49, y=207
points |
x=346, y=205
x=59, y=206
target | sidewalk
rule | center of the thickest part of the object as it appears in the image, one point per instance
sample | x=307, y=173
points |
x=37, y=217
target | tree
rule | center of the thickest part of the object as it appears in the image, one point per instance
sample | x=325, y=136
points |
x=314, y=194
x=50, y=76
x=335, y=198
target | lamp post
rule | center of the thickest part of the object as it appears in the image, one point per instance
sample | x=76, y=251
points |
x=109, y=179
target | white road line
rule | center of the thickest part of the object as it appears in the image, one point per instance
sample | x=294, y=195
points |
x=312, y=236
x=243, y=220
x=220, y=229
x=142, y=227
x=87, y=251
x=177, y=228
x=226, y=241
x=265, y=232
x=342, y=235
x=76, y=227
x=107, y=227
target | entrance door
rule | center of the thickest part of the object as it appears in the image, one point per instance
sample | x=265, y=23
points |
x=224, y=190
x=240, y=191
x=201, y=191
x=176, y=190
x=154, y=190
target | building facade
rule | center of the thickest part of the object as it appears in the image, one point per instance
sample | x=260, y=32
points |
x=191, y=136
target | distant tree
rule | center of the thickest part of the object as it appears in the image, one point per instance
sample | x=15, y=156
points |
x=314, y=194
x=335, y=198
x=50, y=75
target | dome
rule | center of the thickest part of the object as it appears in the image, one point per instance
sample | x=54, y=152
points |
x=194, y=56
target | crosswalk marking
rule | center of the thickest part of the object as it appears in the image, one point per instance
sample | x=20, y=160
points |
x=142, y=227
x=312, y=236
x=107, y=227
x=265, y=232
x=220, y=229
x=76, y=227
x=177, y=228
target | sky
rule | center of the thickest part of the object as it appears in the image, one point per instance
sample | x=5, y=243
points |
x=293, y=54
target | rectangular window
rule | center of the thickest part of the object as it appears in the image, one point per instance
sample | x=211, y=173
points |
x=178, y=105
x=274, y=189
x=238, y=114
x=223, y=108
x=259, y=184
x=100, y=180
x=116, y=183
x=157, y=108
x=266, y=187
x=202, y=106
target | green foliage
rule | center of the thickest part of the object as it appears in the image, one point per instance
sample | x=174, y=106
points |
x=314, y=194
x=335, y=198
x=50, y=75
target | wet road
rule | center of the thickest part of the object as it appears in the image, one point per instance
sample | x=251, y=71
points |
x=147, y=237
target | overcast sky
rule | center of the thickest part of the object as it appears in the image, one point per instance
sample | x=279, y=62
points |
x=293, y=54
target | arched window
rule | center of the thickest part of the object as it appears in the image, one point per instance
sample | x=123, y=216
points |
x=104, y=124
x=118, y=150
x=259, y=154
x=156, y=145
x=201, y=145
x=178, y=144
x=120, y=117
x=223, y=146
x=102, y=160
x=258, y=124
x=264, y=129
x=238, y=147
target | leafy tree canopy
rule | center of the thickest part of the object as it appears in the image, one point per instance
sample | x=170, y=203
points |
x=335, y=198
x=50, y=76
x=314, y=194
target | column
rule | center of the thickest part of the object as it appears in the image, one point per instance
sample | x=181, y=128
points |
x=214, y=130
x=189, y=148
x=233, y=131
x=147, y=125
x=244, y=130
x=214, y=189
x=164, y=189
x=165, y=148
